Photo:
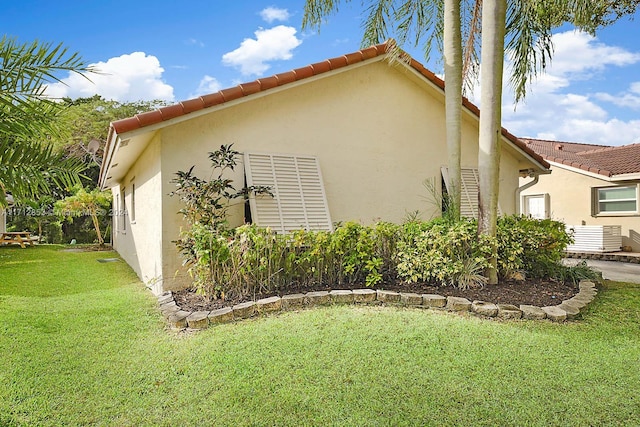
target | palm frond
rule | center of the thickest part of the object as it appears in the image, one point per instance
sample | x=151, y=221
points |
x=316, y=11
x=25, y=69
x=528, y=43
x=28, y=169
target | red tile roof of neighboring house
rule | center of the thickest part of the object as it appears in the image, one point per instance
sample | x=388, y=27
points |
x=245, y=89
x=600, y=159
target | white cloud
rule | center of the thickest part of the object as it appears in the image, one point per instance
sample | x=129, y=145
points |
x=579, y=54
x=207, y=85
x=338, y=42
x=194, y=42
x=271, y=44
x=629, y=99
x=553, y=107
x=132, y=77
x=271, y=14
x=580, y=106
x=607, y=132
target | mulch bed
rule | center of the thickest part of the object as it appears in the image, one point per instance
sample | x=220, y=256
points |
x=540, y=293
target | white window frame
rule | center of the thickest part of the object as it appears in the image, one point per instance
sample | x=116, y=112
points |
x=115, y=218
x=122, y=212
x=547, y=204
x=595, y=201
x=132, y=216
x=299, y=200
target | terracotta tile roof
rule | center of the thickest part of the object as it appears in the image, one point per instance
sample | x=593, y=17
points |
x=140, y=121
x=245, y=89
x=600, y=159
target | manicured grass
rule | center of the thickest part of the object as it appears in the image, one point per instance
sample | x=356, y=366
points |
x=82, y=343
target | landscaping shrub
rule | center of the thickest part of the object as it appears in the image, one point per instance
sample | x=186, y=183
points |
x=573, y=273
x=443, y=252
x=205, y=206
x=250, y=260
x=529, y=245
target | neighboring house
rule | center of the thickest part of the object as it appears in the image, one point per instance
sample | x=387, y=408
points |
x=590, y=185
x=349, y=138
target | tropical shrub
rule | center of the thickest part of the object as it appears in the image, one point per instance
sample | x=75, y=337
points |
x=529, y=245
x=250, y=260
x=205, y=206
x=575, y=273
x=253, y=260
x=443, y=252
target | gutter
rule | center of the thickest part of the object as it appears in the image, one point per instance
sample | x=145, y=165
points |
x=532, y=174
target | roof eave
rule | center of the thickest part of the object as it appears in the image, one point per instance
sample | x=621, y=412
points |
x=635, y=176
x=109, y=150
x=604, y=175
x=165, y=116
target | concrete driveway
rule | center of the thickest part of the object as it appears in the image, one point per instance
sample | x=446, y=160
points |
x=613, y=270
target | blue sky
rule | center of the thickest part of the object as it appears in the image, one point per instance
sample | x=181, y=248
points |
x=177, y=50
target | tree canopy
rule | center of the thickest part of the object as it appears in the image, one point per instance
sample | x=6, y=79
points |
x=92, y=203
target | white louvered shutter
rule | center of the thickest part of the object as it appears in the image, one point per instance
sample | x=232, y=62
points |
x=469, y=191
x=299, y=200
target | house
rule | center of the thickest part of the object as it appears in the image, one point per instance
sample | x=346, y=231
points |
x=592, y=187
x=349, y=138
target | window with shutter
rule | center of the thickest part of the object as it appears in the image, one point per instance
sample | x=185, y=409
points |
x=299, y=200
x=468, y=192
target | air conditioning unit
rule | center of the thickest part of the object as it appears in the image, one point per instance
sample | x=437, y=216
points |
x=595, y=238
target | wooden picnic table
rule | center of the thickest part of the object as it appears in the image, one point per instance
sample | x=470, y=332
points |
x=16, y=238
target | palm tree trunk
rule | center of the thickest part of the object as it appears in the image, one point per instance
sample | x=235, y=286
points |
x=491, y=71
x=453, y=100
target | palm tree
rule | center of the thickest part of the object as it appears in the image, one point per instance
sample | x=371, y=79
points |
x=528, y=25
x=491, y=71
x=28, y=165
x=420, y=20
x=452, y=54
x=428, y=24
x=528, y=34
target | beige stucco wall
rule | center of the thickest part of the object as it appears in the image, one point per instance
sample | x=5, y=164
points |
x=570, y=202
x=140, y=243
x=378, y=132
x=378, y=135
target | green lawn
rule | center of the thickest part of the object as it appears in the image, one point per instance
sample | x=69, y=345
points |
x=81, y=343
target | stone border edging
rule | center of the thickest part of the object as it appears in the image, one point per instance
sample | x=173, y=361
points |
x=179, y=319
x=604, y=256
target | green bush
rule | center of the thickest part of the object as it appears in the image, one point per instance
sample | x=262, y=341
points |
x=248, y=260
x=443, y=252
x=529, y=245
x=252, y=260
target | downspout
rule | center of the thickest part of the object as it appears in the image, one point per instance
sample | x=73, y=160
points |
x=532, y=174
